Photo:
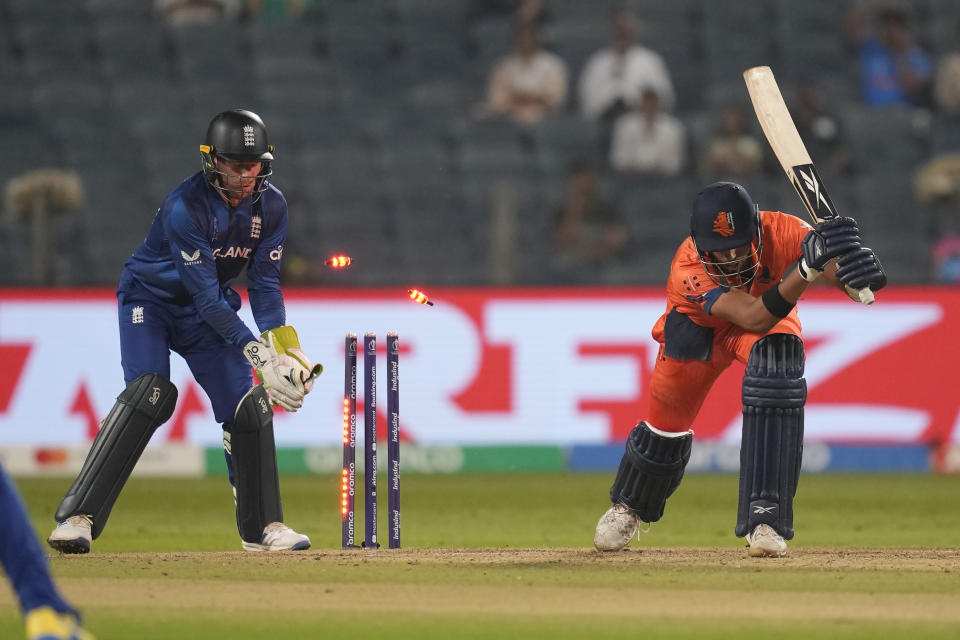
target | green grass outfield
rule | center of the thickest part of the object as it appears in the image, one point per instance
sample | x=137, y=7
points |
x=510, y=556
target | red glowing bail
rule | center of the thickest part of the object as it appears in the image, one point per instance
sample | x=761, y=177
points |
x=419, y=296
x=338, y=262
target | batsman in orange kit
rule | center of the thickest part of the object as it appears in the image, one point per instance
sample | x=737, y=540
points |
x=732, y=294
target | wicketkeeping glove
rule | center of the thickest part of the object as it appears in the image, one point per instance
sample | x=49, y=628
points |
x=286, y=341
x=860, y=269
x=279, y=373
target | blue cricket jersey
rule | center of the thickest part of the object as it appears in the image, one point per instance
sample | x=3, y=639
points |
x=197, y=246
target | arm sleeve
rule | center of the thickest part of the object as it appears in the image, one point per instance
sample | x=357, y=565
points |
x=707, y=299
x=700, y=303
x=193, y=257
x=691, y=291
x=263, y=276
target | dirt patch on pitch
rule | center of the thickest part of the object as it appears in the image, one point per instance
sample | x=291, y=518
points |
x=824, y=558
x=893, y=559
x=811, y=557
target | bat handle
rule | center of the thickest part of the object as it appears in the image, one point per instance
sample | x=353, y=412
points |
x=864, y=295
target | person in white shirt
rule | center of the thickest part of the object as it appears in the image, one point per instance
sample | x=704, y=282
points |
x=613, y=77
x=648, y=140
x=529, y=82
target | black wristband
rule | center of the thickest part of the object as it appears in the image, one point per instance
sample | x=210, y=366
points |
x=775, y=303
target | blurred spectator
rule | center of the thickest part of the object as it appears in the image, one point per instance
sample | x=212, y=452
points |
x=893, y=69
x=589, y=228
x=529, y=82
x=178, y=13
x=613, y=77
x=946, y=84
x=819, y=129
x=937, y=187
x=734, y=152
x=938, y=181
x=946, y=259
x=647, y=140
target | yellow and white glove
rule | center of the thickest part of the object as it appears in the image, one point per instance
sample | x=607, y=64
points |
x=286, y=342
x=279, y=373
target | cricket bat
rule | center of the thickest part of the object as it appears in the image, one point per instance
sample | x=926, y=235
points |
x=784, y=139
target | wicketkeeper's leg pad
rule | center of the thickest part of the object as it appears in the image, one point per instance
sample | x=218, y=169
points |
x=650, y=471
x=143, y=406
x=774, y=394
x=253, y=456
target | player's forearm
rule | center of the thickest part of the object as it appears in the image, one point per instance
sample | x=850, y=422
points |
x=759, y=315
x=793, y=286
x=775, y=304
x=267, y=306
x=215, y=311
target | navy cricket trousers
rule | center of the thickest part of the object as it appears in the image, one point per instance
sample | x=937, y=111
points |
x=151, y=329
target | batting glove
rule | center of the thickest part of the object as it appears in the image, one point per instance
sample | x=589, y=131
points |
x=861, y=268
x=829, y=239
x=840, y=236
x=813, y=259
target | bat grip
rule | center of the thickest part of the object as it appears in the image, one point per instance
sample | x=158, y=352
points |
x=865, y=295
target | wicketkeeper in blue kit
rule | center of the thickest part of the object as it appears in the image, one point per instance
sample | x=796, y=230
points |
x=175, y=295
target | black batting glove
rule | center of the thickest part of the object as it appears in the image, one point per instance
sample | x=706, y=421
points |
x=840, y=236
x=861, y=268
x=813, y=257
x=830, y=238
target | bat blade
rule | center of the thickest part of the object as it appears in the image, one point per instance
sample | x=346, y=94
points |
x=808, y=185
x=781, y=132
x=784, y=139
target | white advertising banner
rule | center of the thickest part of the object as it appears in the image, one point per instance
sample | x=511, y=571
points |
x=483, y=366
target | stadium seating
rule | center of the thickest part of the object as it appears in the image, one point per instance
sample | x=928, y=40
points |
x=371, y=106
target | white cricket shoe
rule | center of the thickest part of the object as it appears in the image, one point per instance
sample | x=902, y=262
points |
x=616, y=528
x=72, y=535
x=279, y=537
x=765, y=542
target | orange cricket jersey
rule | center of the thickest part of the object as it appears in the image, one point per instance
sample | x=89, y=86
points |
x=679, y=385
x=688, y=284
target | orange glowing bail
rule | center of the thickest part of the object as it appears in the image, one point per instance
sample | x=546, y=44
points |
x=338, y=262
x=419, y=296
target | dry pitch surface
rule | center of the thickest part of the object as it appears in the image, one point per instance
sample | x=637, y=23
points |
x=511, y=582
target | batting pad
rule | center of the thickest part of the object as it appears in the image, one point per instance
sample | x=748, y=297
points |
x=254, y=458
x=650, y=471
x=774, y=393
x=143, y=406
